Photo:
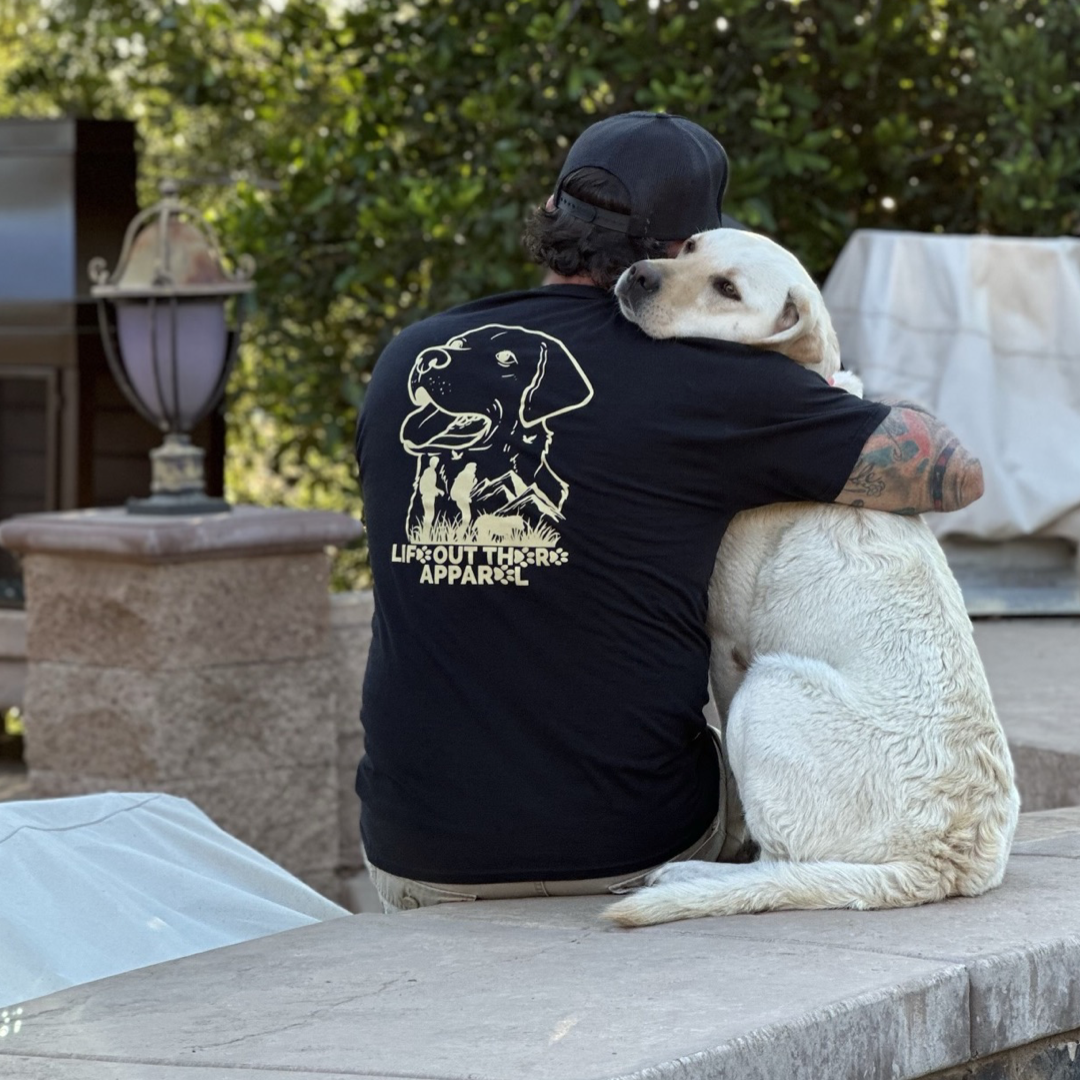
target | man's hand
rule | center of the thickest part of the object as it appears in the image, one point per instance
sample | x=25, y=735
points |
x=911, y=464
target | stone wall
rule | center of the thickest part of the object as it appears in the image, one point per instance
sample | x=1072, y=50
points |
x=193, y=656
x=179, y=689
x=350, y=638
x=350, y=627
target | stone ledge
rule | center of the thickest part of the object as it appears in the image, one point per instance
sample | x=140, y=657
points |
x=418, y=997
x=1029, y=663
x=18, y=1067
x=544, y=989
x=1045, y=824
x=1046, y=777
x=115, y=534
x=1049, y=1059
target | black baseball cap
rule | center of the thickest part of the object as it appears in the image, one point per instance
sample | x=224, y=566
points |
x=675, y=171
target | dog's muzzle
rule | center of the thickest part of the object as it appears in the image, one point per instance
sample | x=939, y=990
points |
x=638, y=282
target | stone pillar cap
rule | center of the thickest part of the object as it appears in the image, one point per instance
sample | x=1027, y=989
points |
x=116, y=534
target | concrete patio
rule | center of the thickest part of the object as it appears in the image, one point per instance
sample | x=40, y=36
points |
x=544, y=989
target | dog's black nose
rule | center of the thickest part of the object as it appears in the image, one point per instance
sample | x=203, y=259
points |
x=643, y=277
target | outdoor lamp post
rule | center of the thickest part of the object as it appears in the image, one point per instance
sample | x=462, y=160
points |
x=170, y=348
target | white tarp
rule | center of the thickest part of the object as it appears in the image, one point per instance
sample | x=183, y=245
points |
x=99, y=884
x=986, y=332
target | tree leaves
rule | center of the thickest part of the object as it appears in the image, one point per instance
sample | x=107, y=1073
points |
x=378, y=158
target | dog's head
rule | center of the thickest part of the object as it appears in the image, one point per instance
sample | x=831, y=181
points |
x=529, y=378
x=734, y=286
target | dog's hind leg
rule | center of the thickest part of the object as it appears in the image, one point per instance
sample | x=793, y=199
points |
x=812, y=772
x=726, y=672
x=821, y=798
x=738, y=846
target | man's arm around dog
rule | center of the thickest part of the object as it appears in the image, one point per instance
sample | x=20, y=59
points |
x=911, y=464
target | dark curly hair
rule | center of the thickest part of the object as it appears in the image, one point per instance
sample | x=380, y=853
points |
x=570, y=246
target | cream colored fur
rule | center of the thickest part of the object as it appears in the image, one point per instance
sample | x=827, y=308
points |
x=857, y=719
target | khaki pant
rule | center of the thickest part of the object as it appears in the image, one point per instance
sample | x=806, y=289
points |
x=404, y=894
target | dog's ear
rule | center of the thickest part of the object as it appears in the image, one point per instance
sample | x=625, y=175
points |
x=558, y=385
x=804, y=332
x=790, y=314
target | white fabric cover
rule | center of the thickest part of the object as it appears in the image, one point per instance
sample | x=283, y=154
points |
x=99, y=884
x=985, y=331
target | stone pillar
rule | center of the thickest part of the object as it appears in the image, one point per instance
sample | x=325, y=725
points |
x=191, y=655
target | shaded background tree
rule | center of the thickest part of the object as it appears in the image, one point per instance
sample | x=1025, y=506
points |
x=378, y=157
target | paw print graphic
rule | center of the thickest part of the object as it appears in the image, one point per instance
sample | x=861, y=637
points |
x=557, y=557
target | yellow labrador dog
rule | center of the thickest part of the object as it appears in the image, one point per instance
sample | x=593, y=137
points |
x=857, y=719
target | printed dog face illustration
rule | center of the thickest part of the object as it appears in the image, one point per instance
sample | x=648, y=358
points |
x=480, y=428
x=734, y=286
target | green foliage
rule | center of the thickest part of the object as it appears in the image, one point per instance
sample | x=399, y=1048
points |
x=378, y=157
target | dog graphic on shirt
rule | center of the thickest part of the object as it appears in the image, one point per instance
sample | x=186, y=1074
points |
x=482, y=443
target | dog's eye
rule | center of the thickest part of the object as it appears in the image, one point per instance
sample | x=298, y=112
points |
x=506, y=358
x=689, y=247
x=726, y=287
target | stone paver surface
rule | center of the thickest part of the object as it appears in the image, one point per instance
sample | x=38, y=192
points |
x=25, y=1068
x=415, y=996
x=544, y=989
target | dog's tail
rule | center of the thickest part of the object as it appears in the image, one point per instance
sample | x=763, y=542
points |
x=778, y=886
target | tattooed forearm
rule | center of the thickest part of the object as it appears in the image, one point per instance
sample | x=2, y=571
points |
x=865, y=480
x=913, y=463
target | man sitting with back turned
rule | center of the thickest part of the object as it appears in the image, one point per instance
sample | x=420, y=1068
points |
x=545, y=491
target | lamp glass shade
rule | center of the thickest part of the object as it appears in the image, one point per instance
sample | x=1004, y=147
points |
x=181, y=390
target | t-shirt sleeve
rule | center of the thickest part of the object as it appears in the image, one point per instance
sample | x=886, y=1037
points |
x=798, y=437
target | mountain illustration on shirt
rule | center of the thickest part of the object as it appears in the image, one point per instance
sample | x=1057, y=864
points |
x=482, y=439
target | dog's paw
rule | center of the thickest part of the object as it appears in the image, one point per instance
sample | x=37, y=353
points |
x=687, y=870
x=849, y=381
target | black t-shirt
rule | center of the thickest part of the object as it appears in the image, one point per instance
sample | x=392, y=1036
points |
x=545, y=489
